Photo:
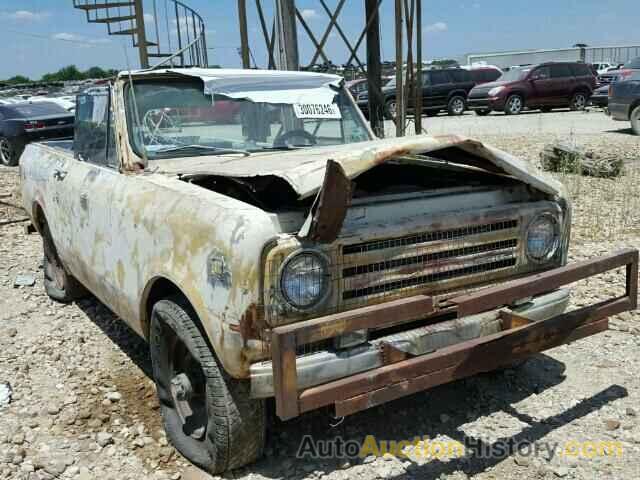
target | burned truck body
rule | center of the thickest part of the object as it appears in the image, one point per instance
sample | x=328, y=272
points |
x=251, y=227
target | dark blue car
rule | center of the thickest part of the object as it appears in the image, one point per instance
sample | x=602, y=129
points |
x=624, y=101
x=21, y=123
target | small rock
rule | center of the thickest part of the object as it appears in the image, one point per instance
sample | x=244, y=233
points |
x=18, y=438
x=5, y=394
x=55, y=468
x=611, y=424
x=103, y=439
x=521, y=461
x=114, y=396
x=24, y=280
x=631, y=412
x=12, y=332
x=561, y=471
x=369, y=459
x=53, y=409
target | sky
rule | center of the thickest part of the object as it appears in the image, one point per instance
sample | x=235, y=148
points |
x=40, y=36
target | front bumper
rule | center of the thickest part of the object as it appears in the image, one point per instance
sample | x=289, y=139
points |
x=324, y=366
x=513, y=334
x=486, y=103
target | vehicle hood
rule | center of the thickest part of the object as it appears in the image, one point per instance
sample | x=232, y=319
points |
x=305, y=169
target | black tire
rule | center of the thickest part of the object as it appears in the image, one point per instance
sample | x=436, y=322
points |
x=635, y=120
x=579, y=102
x=59, y=284
x=10, y=152
x=514, y=105
x=456, y=106
x=483, y=113
x=228, y=428
x=390, y=109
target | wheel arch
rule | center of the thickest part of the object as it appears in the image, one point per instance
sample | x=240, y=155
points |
x=38, y=216
x=635, y=104
x=457, y=93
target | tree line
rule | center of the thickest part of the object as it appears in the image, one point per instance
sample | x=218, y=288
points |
x=65, y=74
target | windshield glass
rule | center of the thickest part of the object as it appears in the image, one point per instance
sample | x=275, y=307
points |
x=635, y=63
x=514, y=75
x=175, y=118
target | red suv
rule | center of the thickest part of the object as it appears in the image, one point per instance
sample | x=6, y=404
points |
x=545, y=86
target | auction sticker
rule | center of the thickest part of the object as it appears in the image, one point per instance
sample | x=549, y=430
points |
x=317, y=110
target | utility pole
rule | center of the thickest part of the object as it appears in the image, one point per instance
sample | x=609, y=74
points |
x=141, y=34
x=417, y=117
x=244, y=37
x=374, y=69
x=287, y=41
x=400, y=111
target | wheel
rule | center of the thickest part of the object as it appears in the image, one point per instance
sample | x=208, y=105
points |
x=635, y=120
x=578, y=101
x=9, y=152
x=390, y=109
x=457, y=105
x=58, y=283
x=207, y=415
x=514, y=105
x=483, y=113
x=432, y=113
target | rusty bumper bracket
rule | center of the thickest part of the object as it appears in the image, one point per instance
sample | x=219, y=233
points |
x=389, y=382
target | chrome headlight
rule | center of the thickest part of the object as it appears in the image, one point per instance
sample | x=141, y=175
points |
x=543, y=238
x=304, y=279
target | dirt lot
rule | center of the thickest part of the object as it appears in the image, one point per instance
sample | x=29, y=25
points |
x=84, y=407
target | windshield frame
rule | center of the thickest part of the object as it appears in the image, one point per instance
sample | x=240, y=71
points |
x=131, y=119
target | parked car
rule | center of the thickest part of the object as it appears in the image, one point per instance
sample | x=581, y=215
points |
x=600, y=97
x=361, y=85
x=602, y=67
x=445, y=89
x=620, y=74
x=545, y=86
x=484, y=74
x=624, y=101
x=21, y=123
x=294, y=256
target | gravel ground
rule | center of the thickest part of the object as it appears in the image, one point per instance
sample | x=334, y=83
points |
x=83, y=405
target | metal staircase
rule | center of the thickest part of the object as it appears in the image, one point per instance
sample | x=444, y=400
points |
x=167, y=33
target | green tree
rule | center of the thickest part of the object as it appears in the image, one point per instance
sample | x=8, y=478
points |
x=445, y=63
x=18, y=79
x=70, y=72
x=95, y=72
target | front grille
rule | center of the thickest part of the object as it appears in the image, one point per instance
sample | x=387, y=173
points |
x=431, y=261
x=428, y=237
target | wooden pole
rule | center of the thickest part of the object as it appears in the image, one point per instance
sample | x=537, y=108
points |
x=287, y=35
x=418, y=112
x=374, y=68
x=244, y=37
x=142, y=35
x=400, y=114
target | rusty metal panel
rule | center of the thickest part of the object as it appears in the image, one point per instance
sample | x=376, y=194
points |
x=479, y=360
x=469, y=357
x=543, y=282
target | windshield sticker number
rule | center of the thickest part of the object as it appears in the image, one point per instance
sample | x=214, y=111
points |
x=317, y=110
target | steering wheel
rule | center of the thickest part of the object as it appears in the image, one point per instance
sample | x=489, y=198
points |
x=160, y=119
x=281, y=140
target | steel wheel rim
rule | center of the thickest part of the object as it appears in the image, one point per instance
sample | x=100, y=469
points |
x=188, y=389
x=458, y=106
x=5, y=151
x=393, y=109
x=515, y=104
x=579, y=101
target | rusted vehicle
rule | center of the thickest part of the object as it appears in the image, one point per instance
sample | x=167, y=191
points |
x=290, y=254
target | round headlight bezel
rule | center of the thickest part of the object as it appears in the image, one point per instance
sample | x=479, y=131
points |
x=554, y=245
x=325, y=288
